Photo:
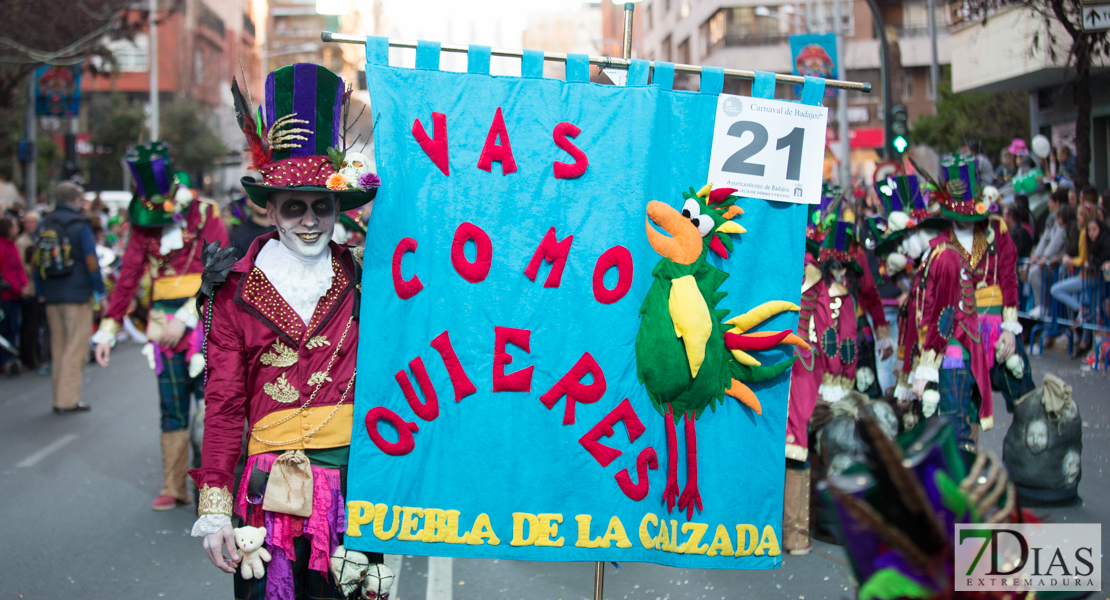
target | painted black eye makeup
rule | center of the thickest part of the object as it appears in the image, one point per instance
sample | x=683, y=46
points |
x=295, y=209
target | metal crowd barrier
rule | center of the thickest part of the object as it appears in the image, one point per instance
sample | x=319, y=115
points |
x=1056, y=318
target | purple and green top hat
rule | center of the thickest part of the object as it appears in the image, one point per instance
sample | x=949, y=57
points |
x=961, y=194
x=153, y=203
x=903, y=193
x=839, y=243
x=297, y=146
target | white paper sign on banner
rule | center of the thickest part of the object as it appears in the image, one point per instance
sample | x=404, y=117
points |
x=769, y=149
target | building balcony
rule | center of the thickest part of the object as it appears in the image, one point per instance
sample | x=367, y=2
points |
x=916, y=48
x=999, y=56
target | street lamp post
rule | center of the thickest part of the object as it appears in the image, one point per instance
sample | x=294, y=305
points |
x=154, y=108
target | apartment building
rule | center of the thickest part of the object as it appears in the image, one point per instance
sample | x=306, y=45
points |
x=754, y=34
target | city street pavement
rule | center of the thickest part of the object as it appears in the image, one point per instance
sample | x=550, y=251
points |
x=76, y=519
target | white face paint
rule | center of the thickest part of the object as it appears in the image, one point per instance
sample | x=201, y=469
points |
x=355, y=165
x=838, y=274
x=1036, y=436
x=304, y=220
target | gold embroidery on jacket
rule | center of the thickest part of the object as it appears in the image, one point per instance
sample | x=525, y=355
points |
x=282, y=391
x=282, y=356
x=317, y=342
x=318, y=377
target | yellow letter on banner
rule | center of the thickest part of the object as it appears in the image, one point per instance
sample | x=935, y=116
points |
x=616, y=534
x=721, y=542
x=482, y=530
x=435, y=525
x=769, y=542
x=697, y=531
x=453, y=529
x=646, y=539
x=379, y=522
x=663, y=542
x=584, y=540
x=743, y=534
x=410, y=521
x=358, y=513
x=519, y=519
x=549, y=526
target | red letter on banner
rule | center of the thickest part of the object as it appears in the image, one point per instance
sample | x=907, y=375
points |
x=555, y=252
x=405, y=442
x=429, y=409
x=518, y=381
x=459, y=380
x=436, y=148
x=646, y=460
x=405, y=288
x=572, y=387
x=564, y=170
x=604, y=454
x=471, y=271
x=621, y=258
x=497, y=147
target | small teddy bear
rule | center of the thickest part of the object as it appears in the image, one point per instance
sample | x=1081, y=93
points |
x=249, y=540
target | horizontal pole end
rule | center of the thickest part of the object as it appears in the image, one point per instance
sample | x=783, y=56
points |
x=325, y=36
x=866, y=88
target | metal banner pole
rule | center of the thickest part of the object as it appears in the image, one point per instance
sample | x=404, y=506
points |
x=606, y=62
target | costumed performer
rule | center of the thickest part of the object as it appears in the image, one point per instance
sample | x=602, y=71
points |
x=169, y=225
x=993, y=259
x=281, y=334
x=952, y=376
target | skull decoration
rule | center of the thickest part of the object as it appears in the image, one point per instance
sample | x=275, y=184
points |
x=379, y=579
x=348, y=567
x=1036, y=436
x=1071, y=466
x=354, y=166
x=991, y=194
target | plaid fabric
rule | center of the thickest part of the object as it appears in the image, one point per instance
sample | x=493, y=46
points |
x=957, y=404
x=1011, y=388
x=307, y=584
x=177, y=390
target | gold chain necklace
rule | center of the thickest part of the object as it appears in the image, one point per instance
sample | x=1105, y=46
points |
x=312, y=397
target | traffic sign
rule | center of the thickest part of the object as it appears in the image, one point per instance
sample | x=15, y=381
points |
x=1096, y=17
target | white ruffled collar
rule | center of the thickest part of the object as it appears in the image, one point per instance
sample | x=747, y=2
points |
x=300, y=280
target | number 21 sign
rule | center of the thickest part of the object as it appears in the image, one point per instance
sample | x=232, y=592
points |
x=768, y=149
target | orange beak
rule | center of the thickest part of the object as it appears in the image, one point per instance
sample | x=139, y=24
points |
x=684, y=246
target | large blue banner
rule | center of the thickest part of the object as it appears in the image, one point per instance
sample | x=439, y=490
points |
x=512, y=402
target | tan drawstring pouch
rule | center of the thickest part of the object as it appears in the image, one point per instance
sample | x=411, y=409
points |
x=289, y=488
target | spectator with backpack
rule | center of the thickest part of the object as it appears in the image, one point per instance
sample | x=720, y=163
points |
x=67, y=279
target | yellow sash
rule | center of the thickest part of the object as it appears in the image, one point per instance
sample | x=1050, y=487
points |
x=174, y=287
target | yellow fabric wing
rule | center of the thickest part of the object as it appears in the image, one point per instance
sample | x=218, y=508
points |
x=691, y=319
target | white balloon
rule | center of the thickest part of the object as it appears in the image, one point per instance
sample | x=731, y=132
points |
x=1041, y=146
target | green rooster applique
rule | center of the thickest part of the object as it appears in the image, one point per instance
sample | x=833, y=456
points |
x=687, y=356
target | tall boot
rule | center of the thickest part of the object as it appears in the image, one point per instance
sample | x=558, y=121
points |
x=175, y=463
x=795, y=512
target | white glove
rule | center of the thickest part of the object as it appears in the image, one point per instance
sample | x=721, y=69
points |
x=209, y=524
x=864, y=378
x=103, y=337
x=1016, y=366
x=929, y=402
x=196, y=364
x=148, y=352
